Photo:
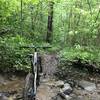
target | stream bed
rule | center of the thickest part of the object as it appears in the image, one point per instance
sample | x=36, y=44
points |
x=12, y=89
x=75, y=85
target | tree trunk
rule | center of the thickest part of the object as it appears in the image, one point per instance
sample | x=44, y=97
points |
x=50, y=23
x=21, y=19
x=32, y=25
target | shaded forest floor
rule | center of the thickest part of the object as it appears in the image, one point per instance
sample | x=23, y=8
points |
x=11, y=86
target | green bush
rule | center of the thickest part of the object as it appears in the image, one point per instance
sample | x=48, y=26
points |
x=85, y=53
x=11, y=55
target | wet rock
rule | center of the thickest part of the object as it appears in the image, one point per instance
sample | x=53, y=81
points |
x=87, y=85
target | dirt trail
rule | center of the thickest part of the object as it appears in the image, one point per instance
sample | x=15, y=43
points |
x=49, y=64
x=45, y=90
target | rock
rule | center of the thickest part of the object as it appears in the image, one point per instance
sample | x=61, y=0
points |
x=71, y=82
x=18, y=96
x=67, y=88
x=87, y=85
x=66, y=91
x=78, y=98
x=66, y=97
x=57, y=97
x=3, y=97
x=2, y=80
x=11, y=98
x=59, y=83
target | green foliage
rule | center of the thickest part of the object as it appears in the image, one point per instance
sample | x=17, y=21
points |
x=80, y=52
x=11, y=54
x=76, y=29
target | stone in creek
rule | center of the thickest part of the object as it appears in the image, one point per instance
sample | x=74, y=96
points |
x=87, y=85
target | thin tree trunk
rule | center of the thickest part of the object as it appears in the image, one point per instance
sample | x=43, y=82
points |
x=89, y=7
x=41, y=17
x=32, y=25
x=68, y=38
x=21, y=21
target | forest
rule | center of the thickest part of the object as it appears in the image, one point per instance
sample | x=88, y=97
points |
x=70, y=27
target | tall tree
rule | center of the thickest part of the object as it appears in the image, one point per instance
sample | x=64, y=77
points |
x=32, y=25
x=50, y=22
